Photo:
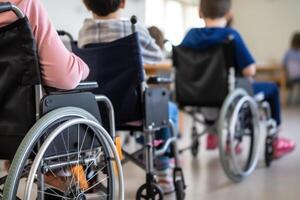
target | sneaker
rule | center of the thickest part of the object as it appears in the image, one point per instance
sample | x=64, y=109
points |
x=282, y=146
x=238, y=149
x=165, y=181
x=80, y=176
x=211, y=141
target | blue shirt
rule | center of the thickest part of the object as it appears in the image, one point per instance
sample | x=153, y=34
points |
x=202, y=38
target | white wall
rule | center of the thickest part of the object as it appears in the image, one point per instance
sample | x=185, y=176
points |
x=267, y=26
x=70, y=14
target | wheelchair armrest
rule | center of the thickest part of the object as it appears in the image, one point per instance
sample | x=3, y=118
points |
x=260, y=97
x=83, y=86
x=155, y=80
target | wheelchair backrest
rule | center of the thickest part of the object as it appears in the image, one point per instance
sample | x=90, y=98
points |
x=19, y=72
x=202, y=75
x=117, y=67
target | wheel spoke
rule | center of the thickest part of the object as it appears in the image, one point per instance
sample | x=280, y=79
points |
x=95, y=184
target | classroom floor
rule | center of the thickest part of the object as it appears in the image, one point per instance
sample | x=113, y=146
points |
x=206, y=180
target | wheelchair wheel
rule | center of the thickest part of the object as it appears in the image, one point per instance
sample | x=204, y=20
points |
x=180, y=191
x=149, y=192
x=239, y=125
x=71, y=157
x=195, y=143
x=269, y=151
x=179, y=183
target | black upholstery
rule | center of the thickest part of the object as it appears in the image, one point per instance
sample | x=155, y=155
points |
x=201, y=76
x=19, y=72
x=117, y=67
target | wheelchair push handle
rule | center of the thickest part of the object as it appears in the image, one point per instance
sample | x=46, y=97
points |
x=65, y=33
x=133, y=21
x=7, y=6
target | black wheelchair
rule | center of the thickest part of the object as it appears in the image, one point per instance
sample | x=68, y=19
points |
x=58, y=147
x=119, y=66
x=206, y=82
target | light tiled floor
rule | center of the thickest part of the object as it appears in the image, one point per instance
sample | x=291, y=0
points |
x=207, y=181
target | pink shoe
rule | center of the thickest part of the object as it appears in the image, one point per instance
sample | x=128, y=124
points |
x=238, y=149
x=282, y=146
x=211, y=141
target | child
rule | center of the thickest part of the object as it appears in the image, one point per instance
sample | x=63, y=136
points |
x=107, y=26
x=216, y=14
x=158, y=36
x=59, y=67
x=292, y=59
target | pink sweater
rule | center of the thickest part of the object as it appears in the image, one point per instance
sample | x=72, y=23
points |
x=60, y=68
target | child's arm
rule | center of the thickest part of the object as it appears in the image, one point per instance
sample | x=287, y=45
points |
x=151, y=52
x=245, y=61
x=249, y=71
x=59, y=68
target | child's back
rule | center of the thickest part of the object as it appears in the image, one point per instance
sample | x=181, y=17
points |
x=108, y=30
x=203, y=38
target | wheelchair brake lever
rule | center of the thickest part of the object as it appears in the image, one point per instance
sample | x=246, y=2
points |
x=260, y=97
x=159, y=80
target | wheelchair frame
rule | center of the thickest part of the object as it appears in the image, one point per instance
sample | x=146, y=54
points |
x=228, y=159
x=148, y=128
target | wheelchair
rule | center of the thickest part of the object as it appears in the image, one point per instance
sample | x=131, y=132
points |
x=119, y=67
x=58, y=147
x=206, y=82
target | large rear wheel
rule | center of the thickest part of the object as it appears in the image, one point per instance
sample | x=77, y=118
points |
x=71, y=157
x=239, y=132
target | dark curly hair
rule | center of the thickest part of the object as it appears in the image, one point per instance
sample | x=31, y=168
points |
x=295, y=43
x=102, y=7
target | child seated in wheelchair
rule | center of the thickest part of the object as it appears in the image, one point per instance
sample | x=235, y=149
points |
x=60, y=69
x=217, y=15
x=107, y=26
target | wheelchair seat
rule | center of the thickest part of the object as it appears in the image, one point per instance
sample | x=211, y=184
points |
x=118, y=67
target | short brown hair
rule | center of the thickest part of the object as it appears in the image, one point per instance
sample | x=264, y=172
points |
x=102, y=7
x=157, y=35
x=295, y=43
x=214, y=8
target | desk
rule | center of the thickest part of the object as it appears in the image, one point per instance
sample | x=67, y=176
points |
x=154, y=69
x=274, y=73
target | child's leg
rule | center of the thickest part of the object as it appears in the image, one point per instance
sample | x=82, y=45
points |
x=281, y=145
x=164, y=134
x=163, y=162
x=271, y=92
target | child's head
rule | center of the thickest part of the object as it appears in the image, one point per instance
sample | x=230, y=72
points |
x=295, y=43
x=215, y=9
x=104, y=7
x=157, y=35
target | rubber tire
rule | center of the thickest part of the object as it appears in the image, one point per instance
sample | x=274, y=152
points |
x=157, y=190
x=180, y=191
x=29, y=141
